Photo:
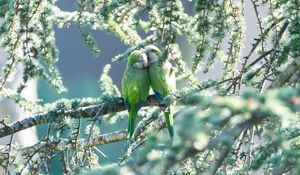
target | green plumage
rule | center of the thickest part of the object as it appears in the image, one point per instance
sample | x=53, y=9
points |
x=135, y=88
x=162, y=80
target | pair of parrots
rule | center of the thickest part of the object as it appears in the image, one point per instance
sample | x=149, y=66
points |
x=146, y=68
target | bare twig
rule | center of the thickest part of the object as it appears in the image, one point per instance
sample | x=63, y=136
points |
x=65, y=170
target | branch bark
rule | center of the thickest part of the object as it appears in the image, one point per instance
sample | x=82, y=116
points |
x=114, y=106
x=286, y=74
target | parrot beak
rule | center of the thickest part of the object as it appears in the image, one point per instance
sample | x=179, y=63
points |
x=143, y=59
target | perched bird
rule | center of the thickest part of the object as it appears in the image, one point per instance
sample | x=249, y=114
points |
x=135, y=86
x=162, y=80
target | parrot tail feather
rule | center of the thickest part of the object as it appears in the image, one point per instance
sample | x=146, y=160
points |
x=129, y=129
x=169, y=120
x=131, y=123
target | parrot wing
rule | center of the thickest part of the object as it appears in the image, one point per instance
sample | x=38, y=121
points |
x=135, y=90
x=163, y=79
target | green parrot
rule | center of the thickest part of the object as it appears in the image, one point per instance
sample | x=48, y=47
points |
x=135, y=86
x=162, y=80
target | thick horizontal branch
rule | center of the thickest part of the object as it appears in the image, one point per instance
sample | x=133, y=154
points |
x=112, y=106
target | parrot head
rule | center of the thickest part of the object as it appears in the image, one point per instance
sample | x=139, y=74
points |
x=138, y=59
x=153, y=53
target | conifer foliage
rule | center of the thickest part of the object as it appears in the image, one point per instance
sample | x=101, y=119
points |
x=243, y=120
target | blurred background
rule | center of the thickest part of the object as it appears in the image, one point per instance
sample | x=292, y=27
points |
x=81, y=71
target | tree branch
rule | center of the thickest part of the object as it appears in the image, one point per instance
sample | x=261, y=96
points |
x=286, y=74
x=230, y=135
x=63, y=144
x=217, y=162
x=113, y=106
